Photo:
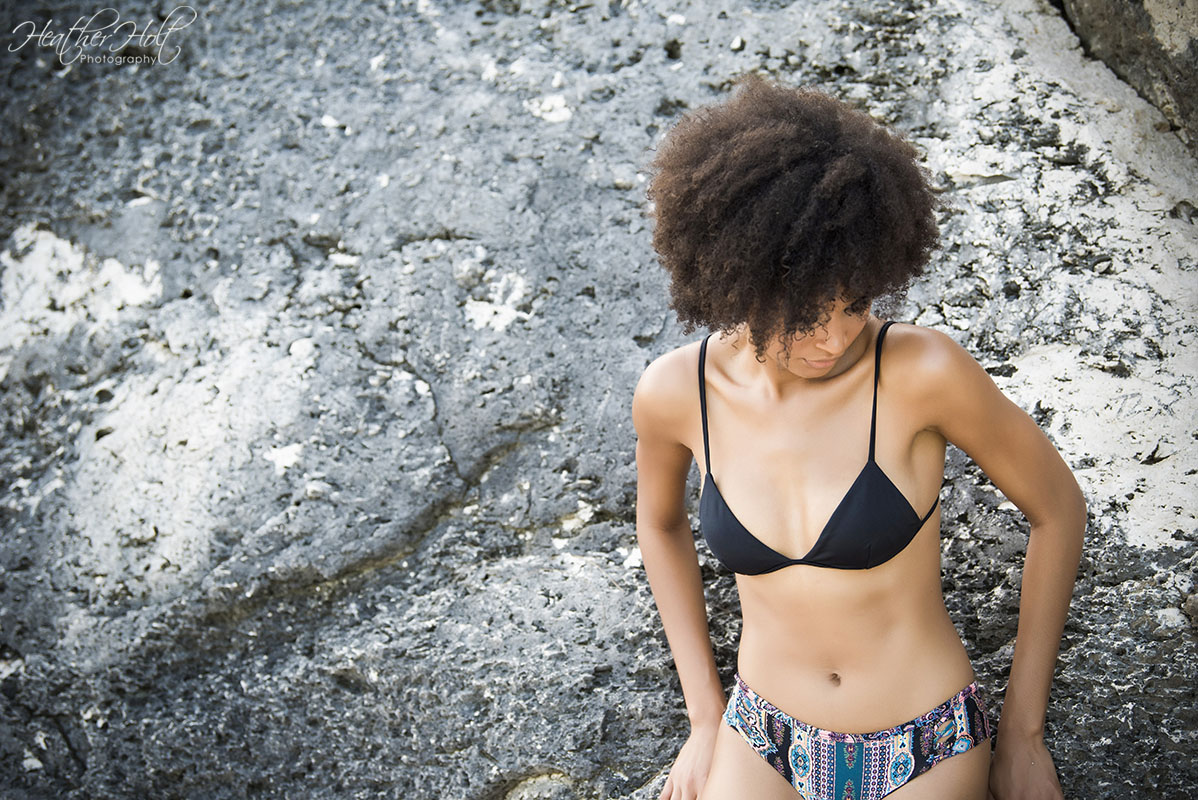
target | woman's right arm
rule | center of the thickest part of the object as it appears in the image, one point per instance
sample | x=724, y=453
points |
x=659, y=412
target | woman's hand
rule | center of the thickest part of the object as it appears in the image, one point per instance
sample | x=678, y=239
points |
x=1022, y=769
x=689, y=770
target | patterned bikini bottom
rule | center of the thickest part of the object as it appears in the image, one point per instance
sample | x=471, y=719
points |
x=826, y=765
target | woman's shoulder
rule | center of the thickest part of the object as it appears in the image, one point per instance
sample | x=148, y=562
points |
x=924, y=359
x=919, y=347
x=667, y=393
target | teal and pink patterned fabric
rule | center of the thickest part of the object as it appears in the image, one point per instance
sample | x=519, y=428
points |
x=826, y=765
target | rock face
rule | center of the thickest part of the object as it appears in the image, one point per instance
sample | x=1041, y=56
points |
x=317, y=346
x=1151, y=44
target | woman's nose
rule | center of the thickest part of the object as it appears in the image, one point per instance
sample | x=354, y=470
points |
x=831, y=337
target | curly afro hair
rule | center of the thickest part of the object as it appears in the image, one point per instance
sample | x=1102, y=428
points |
x=772, y=205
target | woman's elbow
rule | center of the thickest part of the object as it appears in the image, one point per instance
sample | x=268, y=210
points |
x=1079, y=511
x=1069, y=514
x=1063, y=510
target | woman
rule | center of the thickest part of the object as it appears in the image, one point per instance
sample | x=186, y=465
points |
x=820, y=433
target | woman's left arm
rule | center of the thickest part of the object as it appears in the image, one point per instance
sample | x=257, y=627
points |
x=969, y=410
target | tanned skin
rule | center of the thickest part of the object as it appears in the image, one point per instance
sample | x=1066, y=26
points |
x=847, y=650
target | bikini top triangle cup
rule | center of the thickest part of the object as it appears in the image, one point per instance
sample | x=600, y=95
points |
x=873, y=523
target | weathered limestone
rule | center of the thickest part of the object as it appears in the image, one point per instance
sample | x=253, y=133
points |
x=1151, y=44
x=316, y=353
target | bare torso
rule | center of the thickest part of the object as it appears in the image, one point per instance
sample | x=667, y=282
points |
x=846, y=650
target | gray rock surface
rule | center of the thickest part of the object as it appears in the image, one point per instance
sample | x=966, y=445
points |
x=1151, y=44
x=316, y=352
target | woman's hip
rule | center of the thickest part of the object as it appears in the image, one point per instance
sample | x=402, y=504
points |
x=820, y=762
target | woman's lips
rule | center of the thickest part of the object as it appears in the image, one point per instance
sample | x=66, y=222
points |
x=820, y=364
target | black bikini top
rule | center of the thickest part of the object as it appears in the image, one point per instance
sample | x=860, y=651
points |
x=873, y=523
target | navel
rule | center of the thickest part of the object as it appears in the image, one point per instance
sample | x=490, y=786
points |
x=835, y=678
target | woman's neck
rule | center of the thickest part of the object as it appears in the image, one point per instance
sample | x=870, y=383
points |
x=777, y=377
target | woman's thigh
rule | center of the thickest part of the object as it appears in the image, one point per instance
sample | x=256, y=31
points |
x=960, y=777
x=737, y=772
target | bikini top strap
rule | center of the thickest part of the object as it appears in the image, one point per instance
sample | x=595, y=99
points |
x=703, y=400
x=873, y=422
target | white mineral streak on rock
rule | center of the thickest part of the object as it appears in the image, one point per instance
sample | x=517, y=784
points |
x=302, y=348
x=284, y=457
x=49, y=284
x=574, y=521
x=9, y=666
x=551, y=108
x=555, y=784
x=500, y=310
x=30, y=762
x=344, y=259
x=1170, y=618
x=982, y=165
x=317, y=489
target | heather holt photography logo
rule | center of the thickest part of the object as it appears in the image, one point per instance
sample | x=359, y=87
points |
x=106, y=38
